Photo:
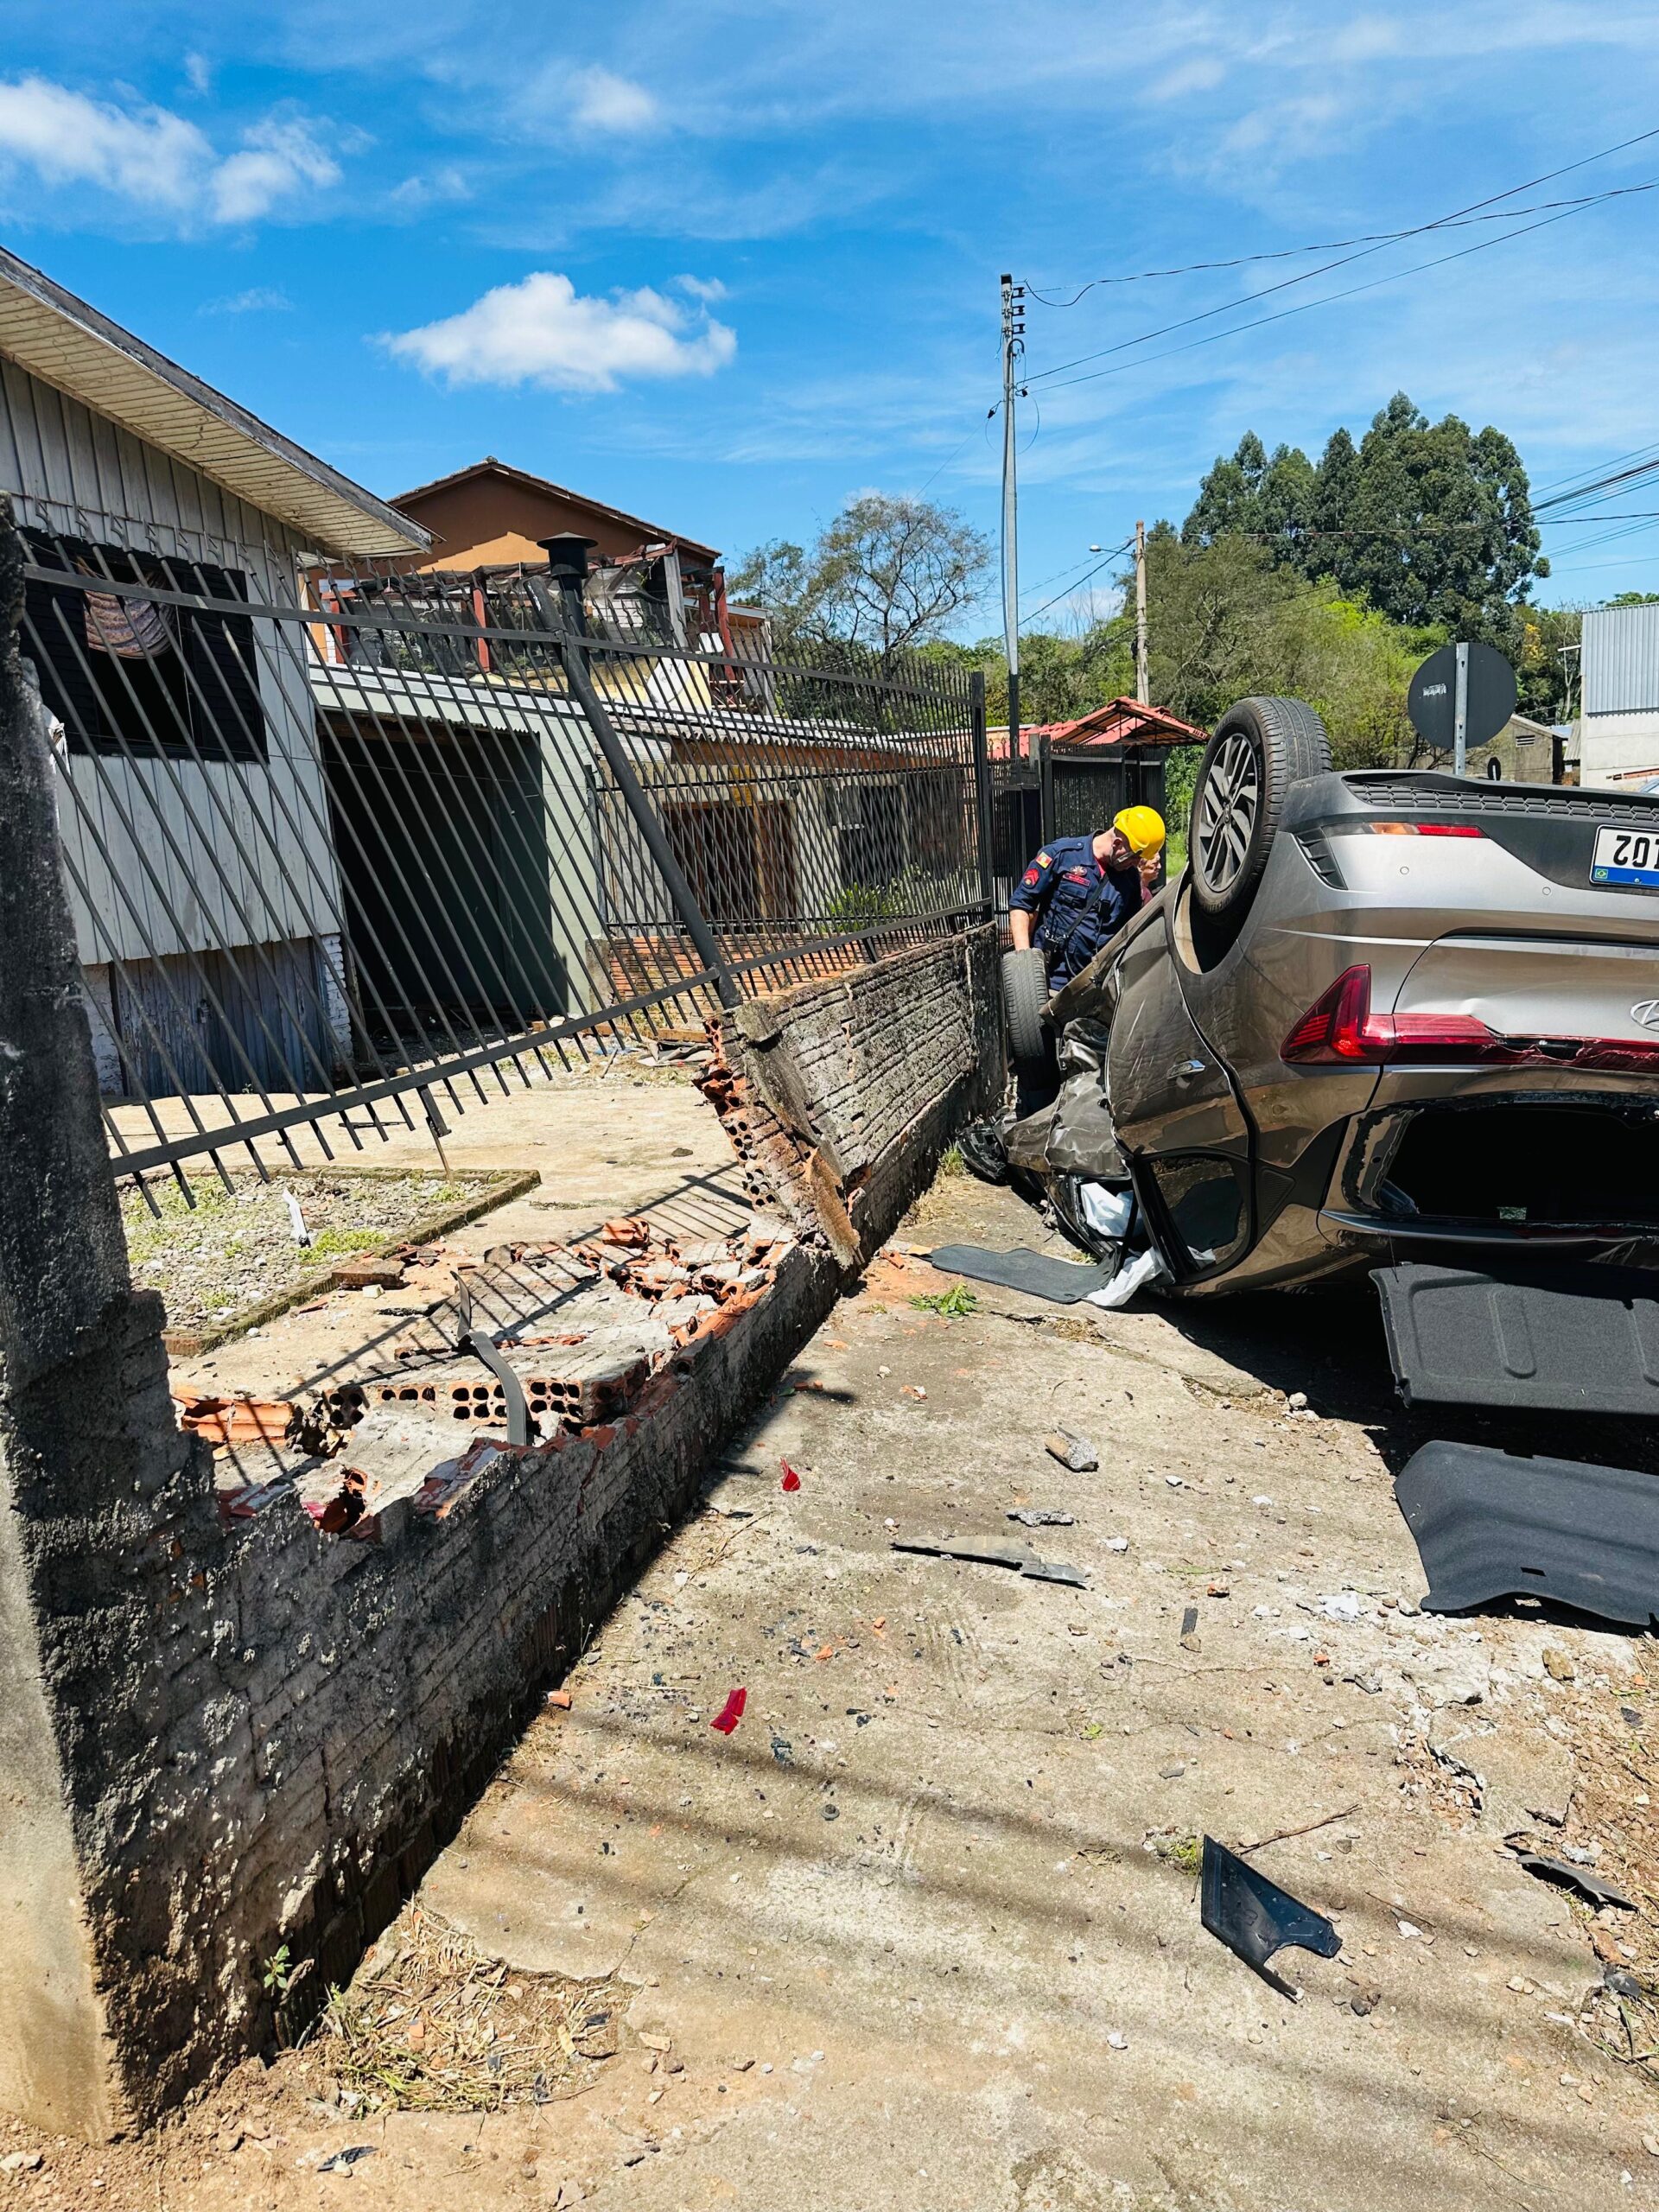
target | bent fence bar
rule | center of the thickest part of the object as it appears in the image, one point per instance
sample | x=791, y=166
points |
x=344, y=864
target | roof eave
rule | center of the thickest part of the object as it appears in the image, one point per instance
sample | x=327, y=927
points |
x=69, y=345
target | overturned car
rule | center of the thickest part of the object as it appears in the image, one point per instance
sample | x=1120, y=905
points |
x=1395, y=1021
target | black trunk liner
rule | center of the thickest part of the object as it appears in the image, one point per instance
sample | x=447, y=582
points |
x=1489, y=1525
x=1578, y=1339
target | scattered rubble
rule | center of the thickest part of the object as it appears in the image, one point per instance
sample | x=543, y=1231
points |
x=411, y=1436
x=1073, y=1452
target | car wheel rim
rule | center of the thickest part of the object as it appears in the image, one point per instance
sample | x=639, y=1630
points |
x=1228, y=809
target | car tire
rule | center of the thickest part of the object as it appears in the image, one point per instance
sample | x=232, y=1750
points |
x=1259, y=749
x=1025, y=995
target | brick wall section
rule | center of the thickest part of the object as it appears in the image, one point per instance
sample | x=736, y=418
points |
x=312, y=1715
x=219, y=1737
x=844, y=1092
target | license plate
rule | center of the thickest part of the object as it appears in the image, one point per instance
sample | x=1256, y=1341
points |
x=1626, y=856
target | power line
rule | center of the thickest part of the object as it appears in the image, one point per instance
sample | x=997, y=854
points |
x=1617, y=479
x=1564, y=484
x=1081, y=581
x=1334, y=245
x=1306, y=276
x=1302, y=308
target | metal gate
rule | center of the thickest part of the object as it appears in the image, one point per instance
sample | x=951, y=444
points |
x=349, y=860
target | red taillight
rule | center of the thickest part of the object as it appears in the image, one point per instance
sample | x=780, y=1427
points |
x=1412, y=829
x=1334, y=1027
x=1340, y=1030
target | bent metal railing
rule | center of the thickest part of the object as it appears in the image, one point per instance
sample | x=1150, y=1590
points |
x=338, y=867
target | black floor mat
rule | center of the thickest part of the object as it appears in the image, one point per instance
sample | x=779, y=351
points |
x=1489, y=1525
x=1062, y=1282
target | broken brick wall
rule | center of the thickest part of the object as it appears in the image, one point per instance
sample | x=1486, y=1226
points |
x=841, y=1094
x=233, y=1738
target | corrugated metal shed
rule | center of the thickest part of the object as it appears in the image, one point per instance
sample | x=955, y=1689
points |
x=68, y=344
x=1621, y=660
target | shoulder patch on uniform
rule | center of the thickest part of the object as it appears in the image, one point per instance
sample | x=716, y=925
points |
x=1031, y=877
x=1044, y=859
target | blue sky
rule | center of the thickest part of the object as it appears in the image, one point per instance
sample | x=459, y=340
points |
x=727, y=265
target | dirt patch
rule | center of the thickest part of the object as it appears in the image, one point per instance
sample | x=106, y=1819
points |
x=432, y=2023
x=236, y=1254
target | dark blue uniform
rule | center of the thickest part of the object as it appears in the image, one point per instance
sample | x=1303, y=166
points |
x=1079, y=904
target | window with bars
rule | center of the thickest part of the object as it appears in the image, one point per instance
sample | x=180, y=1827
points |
x=128, y=674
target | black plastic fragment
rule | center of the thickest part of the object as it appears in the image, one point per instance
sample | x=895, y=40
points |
x=1062, y=1282
x=1254, y=1918
x=1582, y=1339
x=1489, y=1525
x=1022, y=1562
x=1574, y=1878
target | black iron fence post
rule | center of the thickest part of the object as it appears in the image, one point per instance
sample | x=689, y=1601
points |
x=982, y=787
x=1045, y=770
x=574, y=656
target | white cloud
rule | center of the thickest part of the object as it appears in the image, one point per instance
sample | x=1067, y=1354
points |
x=258, y=299
x=145, y=153
x=155, y=160
x=280, y=160
x=705, y=288
x=1202, y=74
x=607, y=102
x=542, y=331
x=199, y=73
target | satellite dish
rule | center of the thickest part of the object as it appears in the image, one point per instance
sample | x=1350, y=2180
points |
x=1488, y=683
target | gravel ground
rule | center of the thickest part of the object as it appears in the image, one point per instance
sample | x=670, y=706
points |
x=239, y=1245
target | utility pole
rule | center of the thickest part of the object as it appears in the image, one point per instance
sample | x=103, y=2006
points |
x=1141, y=691
x=1014, y=346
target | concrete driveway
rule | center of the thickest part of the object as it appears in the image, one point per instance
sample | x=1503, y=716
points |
x=922, y=1930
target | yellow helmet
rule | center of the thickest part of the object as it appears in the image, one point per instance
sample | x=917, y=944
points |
x=1142, y=827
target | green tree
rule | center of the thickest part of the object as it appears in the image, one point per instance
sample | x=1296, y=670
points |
x=887, y=574
x=1431, y=524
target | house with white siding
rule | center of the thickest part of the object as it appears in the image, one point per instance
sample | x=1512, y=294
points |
x=179, y=731
x=1618, y=723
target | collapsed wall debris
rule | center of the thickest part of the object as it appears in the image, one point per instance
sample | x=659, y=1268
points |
x=244, y=1703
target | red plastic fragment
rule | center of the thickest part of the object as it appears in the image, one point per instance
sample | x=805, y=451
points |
x=731, y=1712
x=791, y=1480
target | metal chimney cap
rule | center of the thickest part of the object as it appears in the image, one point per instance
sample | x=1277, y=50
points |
x=567, y=555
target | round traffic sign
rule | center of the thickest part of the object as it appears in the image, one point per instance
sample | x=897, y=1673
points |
x=1431, y=702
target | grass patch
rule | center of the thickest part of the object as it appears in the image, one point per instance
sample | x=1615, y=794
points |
x=953, y=1304
x=339, y=1243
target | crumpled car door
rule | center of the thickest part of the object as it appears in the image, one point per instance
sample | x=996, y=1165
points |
x=1176, y=1113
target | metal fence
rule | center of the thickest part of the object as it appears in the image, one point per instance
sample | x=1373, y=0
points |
x=342, y=861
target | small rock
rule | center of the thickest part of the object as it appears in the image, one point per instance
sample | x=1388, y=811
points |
x=1115, y=2042
x=1173, y=1771
x=1117, y=1543
x=1076, y=1453
x=1297, y=1400
x=229, y=2139
x=21, y=2162
x=1038, y=1516
x=1557, y=1664
x=1650, y=2144
x=1365, y=2000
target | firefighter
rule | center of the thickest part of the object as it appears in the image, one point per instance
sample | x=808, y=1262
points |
x=1080, y=891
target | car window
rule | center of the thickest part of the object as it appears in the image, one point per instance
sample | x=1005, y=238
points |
x=1205, y=1198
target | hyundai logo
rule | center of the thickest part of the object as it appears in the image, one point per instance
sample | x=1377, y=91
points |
x=1646, y=1012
